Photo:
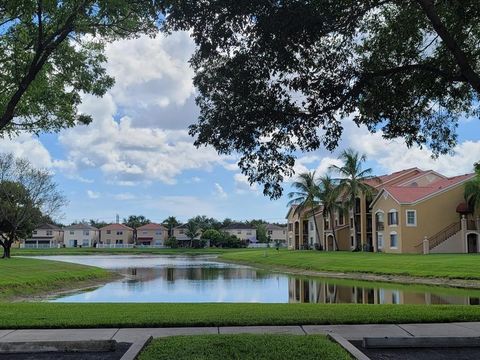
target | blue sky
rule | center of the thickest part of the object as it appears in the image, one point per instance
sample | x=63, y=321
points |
x=137, y=158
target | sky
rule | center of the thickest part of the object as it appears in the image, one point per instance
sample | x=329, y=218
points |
x=136, y=157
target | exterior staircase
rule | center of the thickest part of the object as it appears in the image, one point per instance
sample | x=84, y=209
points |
x=444, y=234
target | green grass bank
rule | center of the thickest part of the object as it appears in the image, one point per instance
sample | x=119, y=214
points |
x=245, y=347
x=63, y=315
x=21, y=277
x=449, y=266
x=113, y=251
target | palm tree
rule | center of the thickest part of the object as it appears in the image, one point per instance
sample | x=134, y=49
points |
x=192, y=231
x=352, y=181
x=328, y=196
x=170, y=223
x=306, y=195
x=472, y=191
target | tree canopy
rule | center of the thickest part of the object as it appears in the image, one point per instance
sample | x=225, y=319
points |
x=53, y=51
x=135, y=221
x=27, y=197
x=278, y=77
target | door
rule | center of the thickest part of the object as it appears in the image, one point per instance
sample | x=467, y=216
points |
x=472, y=242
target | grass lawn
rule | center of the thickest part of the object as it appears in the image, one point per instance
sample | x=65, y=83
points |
x=248, y=347
x=60, y=315
x=453, y=266
x=113, y=251
x=23, y=277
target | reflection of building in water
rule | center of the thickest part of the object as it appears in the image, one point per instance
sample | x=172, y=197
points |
x=324, y=292
x=172, y=274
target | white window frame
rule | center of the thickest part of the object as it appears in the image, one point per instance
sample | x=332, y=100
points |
x=381, y=244
x=390, y=238
x=414, y=218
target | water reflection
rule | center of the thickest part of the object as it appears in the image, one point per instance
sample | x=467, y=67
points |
x=329, y=292
x=202, y=279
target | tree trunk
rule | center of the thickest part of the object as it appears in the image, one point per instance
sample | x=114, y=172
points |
x=332, y=219
x=316, y=226
x=6, y=250
x=355, y=242
x=461, y=58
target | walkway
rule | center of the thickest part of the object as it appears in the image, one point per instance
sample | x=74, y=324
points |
x=349, y=332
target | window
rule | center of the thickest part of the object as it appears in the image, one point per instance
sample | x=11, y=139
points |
x=290, y=227
x=311, y=226
x=352, y=244
x=239, y=232
x=393, y=240
x=395, y=297
x=351, y=223
x=249, y=232
x=181, y=231
x=86, y=232
x=380, y=240
x=72, y=232
x=379, y=222
x=393, y=217
x=411, y=218
x=85, y=243
x=341, y=218
x=34, y=232
x=119, y=241
x=49, y=232
x=144, y=232
x=119, y=232
x=109, y=231
x=159, y=232
x=270, y=232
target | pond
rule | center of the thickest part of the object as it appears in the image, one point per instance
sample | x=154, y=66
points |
x=204, y=279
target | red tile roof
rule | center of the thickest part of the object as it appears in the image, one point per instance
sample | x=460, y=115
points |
x=395, y=177
x=152, y=226
x=116, y=227
x=410, y=194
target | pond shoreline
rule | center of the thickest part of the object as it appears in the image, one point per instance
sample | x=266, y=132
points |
x=397, y=279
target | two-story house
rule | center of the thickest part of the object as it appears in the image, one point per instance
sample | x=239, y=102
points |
x=242, y=231
x=80, y=235
x=116, y=235
x=45, y=236
x=151, y=235
x=277, y=233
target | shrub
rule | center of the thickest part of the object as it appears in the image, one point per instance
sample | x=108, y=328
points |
x=172, y=242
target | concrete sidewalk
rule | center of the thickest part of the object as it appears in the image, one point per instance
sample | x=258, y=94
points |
x=349, y=332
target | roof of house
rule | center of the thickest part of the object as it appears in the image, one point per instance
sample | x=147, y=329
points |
x=116, y=227
x=48, y=227
x=275, y=227
x=80, y=227
x=237, y=226
x=152, y=226
x=412, y=194
x=394, y=177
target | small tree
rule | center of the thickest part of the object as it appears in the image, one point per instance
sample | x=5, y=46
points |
x=192, y=231
x=170, y=223
x=26, y=195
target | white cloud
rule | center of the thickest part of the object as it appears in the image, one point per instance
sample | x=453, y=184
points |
x=242, y=185
x=394, y=155
x=219, y=192
x=28, y=146
x=129, y=155
x=92, y=194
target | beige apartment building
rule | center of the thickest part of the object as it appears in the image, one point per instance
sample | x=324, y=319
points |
x=116, y=235
x=412, y=211
x=44, y=236
x=151, y=235
x=425, y=214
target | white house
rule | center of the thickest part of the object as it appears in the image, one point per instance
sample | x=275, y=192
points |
x=82, y=235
